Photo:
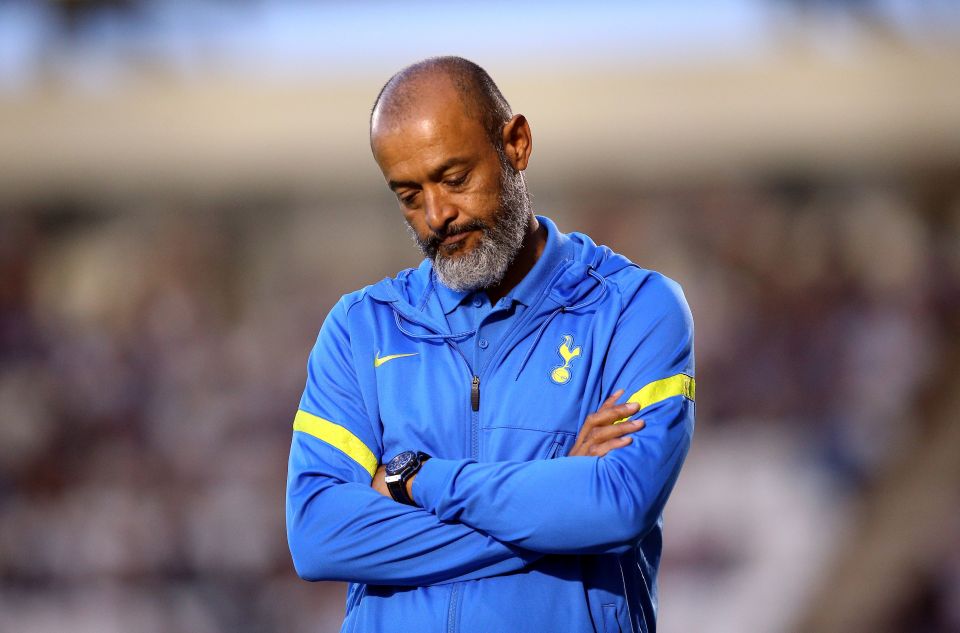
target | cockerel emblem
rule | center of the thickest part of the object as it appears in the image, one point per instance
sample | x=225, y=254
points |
x=561, y=373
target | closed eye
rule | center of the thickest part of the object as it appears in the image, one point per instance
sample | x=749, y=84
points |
x=408, y=199
x=456, y=181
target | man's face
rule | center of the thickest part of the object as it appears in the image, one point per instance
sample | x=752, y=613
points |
x=466, y=206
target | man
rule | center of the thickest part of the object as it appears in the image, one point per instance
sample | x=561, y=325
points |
x=487, y=381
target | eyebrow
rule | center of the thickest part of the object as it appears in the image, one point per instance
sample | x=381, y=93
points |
x=435, y=174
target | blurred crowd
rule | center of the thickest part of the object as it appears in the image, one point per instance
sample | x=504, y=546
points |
x=152, y=357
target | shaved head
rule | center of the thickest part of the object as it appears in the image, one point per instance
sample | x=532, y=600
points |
x=406, y=92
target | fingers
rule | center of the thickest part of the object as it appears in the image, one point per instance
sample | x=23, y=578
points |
x=604, y=418
x=604, y=440
x=614, y=431
x=611, y=400
x=600, y=432
x=599, y=441
x=600, y=450
x=611, y=414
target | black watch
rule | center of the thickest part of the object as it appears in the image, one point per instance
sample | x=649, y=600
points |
x=399, y=470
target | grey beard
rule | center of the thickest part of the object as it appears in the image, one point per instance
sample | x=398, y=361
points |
x=487, y=263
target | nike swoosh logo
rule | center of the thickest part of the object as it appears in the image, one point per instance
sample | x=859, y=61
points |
x=377, y=361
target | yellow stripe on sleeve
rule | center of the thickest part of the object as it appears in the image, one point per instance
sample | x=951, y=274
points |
x=659, y=390
x=338, y=437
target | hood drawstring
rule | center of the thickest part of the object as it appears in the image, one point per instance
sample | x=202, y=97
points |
x=448, y=338
x=562, y=309
x=443, y=337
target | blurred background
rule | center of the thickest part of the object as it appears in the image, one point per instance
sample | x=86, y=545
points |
x=186, y=189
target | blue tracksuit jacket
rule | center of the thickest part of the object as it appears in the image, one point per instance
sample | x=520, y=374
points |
x=512, y=535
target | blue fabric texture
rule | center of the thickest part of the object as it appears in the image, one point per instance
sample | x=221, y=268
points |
x=511, y=534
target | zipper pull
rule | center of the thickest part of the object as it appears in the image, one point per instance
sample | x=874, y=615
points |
x=475, y=393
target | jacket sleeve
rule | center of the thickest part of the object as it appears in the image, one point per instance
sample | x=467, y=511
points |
x=338, y=527
x=590, y=504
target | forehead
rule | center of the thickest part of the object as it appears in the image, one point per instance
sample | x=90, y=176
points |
x=427, y=132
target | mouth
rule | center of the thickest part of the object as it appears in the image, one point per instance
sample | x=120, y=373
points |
x=451, y=240
x=453, y=244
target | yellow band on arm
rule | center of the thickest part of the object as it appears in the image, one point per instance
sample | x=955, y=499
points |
x=338, y=437
x=659, y=390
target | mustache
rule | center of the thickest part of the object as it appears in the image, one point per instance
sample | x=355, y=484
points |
x=432, y=243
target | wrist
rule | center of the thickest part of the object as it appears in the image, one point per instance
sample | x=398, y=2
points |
x=400, y=472
x=410, y=484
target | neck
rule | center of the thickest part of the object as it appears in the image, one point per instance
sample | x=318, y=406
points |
x=530, y=251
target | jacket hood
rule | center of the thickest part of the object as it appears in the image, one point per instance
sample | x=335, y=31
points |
x=578, y=277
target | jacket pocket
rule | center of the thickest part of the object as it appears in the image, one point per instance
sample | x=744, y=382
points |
x=514, y=444
x=556, y=448
x=610, y=622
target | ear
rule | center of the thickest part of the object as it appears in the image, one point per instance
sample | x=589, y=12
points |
x=518, y=141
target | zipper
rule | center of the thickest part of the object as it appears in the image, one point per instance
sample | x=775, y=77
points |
x=475, y=394
x=452, y=612
x=474, y=403
x=453, y=608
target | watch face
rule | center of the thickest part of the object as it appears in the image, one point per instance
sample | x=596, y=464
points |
x=401, y=461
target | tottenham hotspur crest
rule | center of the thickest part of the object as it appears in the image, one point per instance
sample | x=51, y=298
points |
x=561, y=373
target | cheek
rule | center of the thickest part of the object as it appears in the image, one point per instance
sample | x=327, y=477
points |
x=413, y=219
x=481, y=205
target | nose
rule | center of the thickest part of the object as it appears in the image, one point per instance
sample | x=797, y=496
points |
x=438, y=210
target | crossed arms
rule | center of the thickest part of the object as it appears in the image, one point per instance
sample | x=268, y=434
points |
x=599, y=435
x=485, y=519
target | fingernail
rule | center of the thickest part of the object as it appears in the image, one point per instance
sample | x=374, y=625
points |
x=637, y=423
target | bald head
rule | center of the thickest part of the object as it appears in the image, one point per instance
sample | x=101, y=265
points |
x=420, y=85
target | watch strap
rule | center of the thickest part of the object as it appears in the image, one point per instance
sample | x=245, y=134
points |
x=397, y=483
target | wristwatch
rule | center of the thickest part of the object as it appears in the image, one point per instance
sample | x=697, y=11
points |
x=398, y=472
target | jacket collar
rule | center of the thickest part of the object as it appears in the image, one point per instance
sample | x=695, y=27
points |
x=557, y=250
x=571, y=279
